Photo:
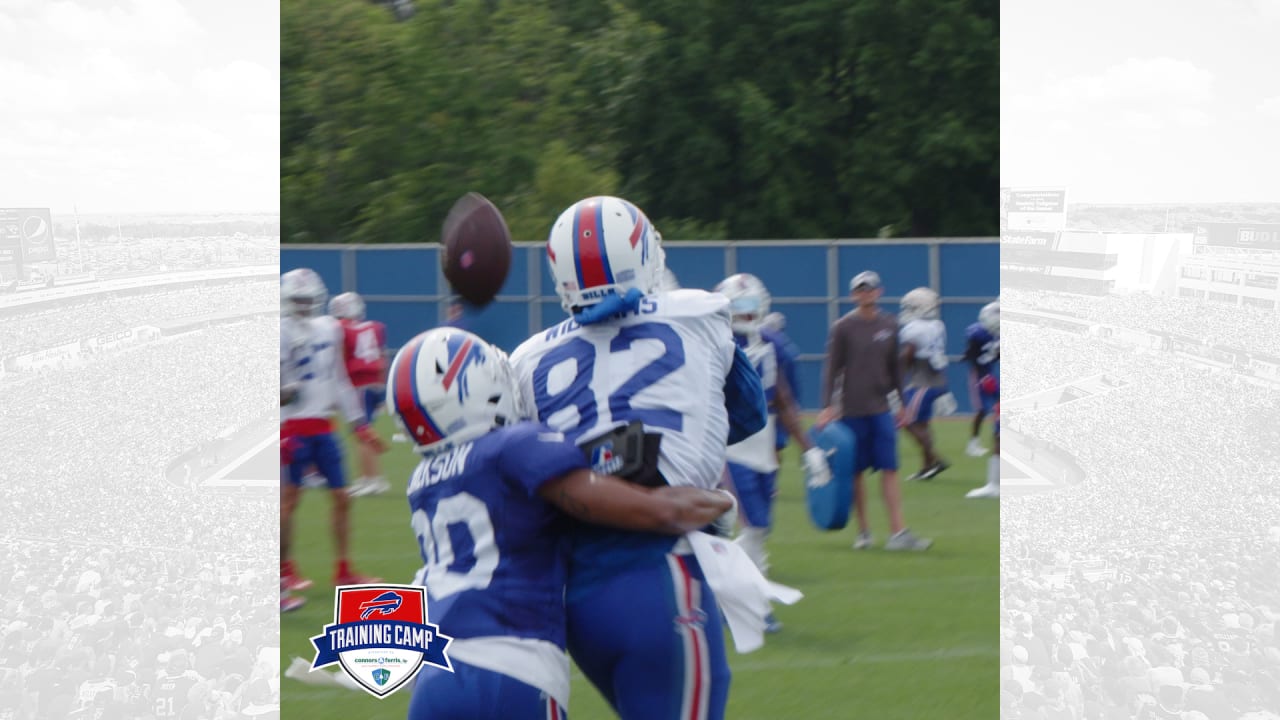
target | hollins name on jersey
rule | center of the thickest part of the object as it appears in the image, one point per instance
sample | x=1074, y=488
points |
x=648, y=306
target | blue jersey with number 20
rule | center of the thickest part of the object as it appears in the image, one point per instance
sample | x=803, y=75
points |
x=494, y=554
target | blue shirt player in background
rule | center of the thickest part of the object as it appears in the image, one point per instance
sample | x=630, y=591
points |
x=657, y=373
x=489, y=503
x=982, y=352
x=773, y=330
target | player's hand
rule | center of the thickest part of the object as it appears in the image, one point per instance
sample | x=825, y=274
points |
x=288, y=393
x=728, y=520
x=827, y=415
x=900, y=418
x=816, y=471
x=366, y=435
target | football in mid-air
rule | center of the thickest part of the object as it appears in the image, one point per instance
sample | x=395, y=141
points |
x=477, y=249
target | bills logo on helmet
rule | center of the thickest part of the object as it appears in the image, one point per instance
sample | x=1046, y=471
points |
x=604, y=460
x=385, y=604
x=463, y=352
x=380, y=636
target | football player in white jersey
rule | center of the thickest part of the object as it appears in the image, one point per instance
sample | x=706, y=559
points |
x=753, y=463
x=650, y=384
x=923, y=343
x=316, y=385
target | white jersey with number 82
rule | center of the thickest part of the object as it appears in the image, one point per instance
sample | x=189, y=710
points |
x=664, y=365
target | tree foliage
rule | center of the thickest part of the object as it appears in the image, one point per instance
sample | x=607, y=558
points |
x=812, y=118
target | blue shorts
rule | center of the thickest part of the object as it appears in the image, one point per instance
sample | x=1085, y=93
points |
x=373, y=397
x=651, y=640
x=472, y=693
x=755, y=494
x=877, y=441
x=321, y=451
x=918, y=403
x=982, y=401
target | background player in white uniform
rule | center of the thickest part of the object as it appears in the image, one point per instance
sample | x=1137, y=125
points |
x=753, y=463
x=311, y=360
x=923, y=344
x=484, y=502
x=661, y=369
x=364, y=351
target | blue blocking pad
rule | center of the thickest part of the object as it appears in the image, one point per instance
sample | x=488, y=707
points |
x=829, y=505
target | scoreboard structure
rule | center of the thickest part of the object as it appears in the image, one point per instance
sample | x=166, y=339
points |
x=402, y=286
x=1234, y=264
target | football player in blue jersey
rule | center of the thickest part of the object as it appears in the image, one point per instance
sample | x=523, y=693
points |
x=488, y=504
x=982, y=352
x=655, y=374
x=773, y=330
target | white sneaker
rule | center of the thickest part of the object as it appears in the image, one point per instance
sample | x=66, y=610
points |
x=975, y=449
x=864, y=541
x=986, y=491
x=369, y=487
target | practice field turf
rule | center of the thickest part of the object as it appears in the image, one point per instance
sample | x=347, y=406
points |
x=878, y=635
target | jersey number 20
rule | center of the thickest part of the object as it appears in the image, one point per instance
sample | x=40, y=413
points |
x=443, y=574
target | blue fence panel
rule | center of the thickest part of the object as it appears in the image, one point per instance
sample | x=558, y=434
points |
x=798, y=271
x=968, y=270
x=696, y=266
x=397, y=272
x=326, y=263
x=404, y=318
x=807, y=325
x=901, y=267
x=957, y=316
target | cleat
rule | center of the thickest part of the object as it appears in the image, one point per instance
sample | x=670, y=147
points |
x=864, y=541
x=986, y=491
x=907, y=540
x=289, y=603
x=935, y=470
x=772, y=625
x=313, y=480
x=356, y=579
x=294, y=583
x=975, y=449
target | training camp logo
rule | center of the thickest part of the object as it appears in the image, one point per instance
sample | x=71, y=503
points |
x=380, y=637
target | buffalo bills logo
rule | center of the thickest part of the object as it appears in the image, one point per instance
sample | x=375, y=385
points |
x=385, y=604
x=463, y=353
x=604, y=460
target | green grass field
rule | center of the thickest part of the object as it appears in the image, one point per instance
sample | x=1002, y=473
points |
x=878, y=635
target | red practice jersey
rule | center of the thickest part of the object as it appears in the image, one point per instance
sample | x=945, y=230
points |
x=365, y=347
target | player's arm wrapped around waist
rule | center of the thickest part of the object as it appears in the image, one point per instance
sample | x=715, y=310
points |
x=627, y=452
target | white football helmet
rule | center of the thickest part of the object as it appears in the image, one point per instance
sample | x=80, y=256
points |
x=447, y=386
x=989, y=317
x=302, y=293
x=347, y=306
x=748, y=302
x=603, y=246
x=919, y=304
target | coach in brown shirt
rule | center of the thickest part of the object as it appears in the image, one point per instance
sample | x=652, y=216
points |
x=862, y=371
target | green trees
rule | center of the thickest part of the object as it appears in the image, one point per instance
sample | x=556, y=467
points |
x=817, y=118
